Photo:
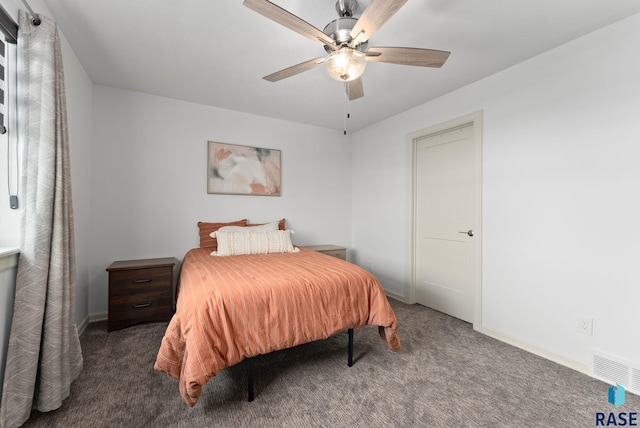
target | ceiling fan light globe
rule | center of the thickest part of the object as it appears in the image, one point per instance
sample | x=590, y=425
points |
x=345, y=64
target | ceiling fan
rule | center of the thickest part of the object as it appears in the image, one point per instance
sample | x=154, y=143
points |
x=346, y=42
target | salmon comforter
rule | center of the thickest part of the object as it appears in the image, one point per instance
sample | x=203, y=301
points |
x=236, y=307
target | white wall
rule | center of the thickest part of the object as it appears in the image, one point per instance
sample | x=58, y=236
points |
x=9, y=218
x=79, y=91
x=148, y=179
x=560, y=186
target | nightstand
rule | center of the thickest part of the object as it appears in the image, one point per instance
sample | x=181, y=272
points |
x=140, y=291
x=330, y=250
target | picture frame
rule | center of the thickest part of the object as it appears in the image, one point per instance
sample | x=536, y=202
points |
x=234, y=169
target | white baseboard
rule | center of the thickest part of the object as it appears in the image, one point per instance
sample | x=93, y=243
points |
x=98, y=316
x=83, y=324
x=394, y=295
x=548, y=355
x=551, y=356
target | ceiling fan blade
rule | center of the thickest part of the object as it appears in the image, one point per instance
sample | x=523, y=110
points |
x=293, y=70
x=374, y=16
x=355, y=89
x=409, y=56
x=289, y=20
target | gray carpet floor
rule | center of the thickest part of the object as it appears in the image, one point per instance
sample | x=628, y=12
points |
x=446, y=375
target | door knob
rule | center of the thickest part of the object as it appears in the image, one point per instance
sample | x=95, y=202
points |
x=468, y=232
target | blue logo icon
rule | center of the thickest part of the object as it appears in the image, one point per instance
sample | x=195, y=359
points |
x=617, y=419
x=616, y=395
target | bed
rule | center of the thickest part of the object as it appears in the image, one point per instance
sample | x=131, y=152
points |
x=240, y=306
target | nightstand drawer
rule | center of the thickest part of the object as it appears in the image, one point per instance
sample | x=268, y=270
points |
x=341, y=254
x=153, y=305
x=139, y=280
x=329, y=250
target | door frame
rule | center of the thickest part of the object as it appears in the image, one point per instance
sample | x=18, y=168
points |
x=410, y=288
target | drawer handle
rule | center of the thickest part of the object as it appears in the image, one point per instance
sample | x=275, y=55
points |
x=141, y=281
x=141, y=305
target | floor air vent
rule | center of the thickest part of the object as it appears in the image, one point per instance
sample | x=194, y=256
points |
x=616, y=370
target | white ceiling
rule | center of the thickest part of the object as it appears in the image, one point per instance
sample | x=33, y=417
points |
x=216, y=52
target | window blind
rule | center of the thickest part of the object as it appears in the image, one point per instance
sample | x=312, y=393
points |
x=3, y=85
x=9, y=29
x=9, y=35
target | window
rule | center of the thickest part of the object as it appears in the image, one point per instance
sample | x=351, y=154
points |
x=8, y=36
x=9, y=158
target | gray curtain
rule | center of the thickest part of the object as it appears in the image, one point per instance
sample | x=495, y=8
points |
x=44, y=354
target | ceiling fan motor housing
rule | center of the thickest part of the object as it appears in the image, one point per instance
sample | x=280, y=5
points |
x=340, y=31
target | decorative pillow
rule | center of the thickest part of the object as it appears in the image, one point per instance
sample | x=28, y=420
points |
x=205, y=230
x=281, y=224
x=248, y=228
x=267, y=242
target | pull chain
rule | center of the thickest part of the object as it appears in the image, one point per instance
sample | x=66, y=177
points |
x=11, y=77
x=347, y=115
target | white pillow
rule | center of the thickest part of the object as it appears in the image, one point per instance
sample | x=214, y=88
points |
x=244, y=242
x=261, y=228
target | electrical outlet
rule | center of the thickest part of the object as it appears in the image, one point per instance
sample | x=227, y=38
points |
x=585, y=325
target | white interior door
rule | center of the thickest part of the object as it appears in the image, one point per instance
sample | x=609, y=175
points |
x=444, y=222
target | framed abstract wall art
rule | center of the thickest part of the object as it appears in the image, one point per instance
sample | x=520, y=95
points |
x=234, y=169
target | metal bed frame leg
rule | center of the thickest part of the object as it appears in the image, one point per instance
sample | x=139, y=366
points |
x=250, y=376
x=350, y=358
x=250, y=367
